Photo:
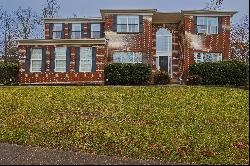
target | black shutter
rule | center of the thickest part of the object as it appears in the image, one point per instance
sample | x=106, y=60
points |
x=114, y=27
x=89, y=30
x=82, y=30
x=70, y=30
x=93, y=69
x=140, y=23
x=68, y=59
x=52, y=59
x=27, y=60
x=102, y=30
x=195, y=25
x=62, y=34
x=77, y=59
x=51, y=26
x=43, y=68
x=220, y=24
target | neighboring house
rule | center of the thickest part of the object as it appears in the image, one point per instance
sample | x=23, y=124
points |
x=76, y=50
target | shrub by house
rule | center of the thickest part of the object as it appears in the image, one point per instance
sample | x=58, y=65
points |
x=127, y=74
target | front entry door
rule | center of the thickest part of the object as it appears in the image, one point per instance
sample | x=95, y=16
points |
x=163, y=63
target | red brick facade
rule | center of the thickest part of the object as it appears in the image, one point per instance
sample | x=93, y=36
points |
x=184, y=43
x=209, y=43
x=49, y=77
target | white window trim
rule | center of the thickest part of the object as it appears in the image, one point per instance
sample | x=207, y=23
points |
x=32, y=59
x=76, y=31
x=166, y=54
x=80, y=63
x=91, y=32
x=169, y=41
x=57, y=31
x=60, y=60
x=208, y=27
x=202, y=59
x=133, y=53
x=138, y=29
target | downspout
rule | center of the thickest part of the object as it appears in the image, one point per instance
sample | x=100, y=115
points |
x=107, y=43
x=181, y=64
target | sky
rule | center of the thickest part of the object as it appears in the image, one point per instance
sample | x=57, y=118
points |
x=90, y=8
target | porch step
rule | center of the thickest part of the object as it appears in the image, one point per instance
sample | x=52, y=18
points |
x=174, y=81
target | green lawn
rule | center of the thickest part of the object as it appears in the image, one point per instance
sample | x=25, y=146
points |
x=199, y=125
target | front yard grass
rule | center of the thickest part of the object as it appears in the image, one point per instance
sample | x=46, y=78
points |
x=196, y=125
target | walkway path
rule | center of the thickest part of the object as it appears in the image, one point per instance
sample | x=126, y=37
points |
x=11, y=154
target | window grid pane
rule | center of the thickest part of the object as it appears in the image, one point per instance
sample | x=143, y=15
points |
x=207, y=57
x=85, y=59
x=127, y=57
x=36, y=54
x=57, y=27
x=76, y=27
x=36, y=60
x=57, y=35
x=76, y=35
x=60, y=59
x=95, y=34
x=95, y=31
x=127, y=23
x=207, y=25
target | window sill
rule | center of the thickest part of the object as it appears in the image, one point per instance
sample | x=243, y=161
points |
x=36, y=72
x=206, y=34
x=129, y=32
x=60, y=72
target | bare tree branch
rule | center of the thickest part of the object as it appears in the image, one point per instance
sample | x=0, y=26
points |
x=50, y=10
x=214, y=5
x=240, y=39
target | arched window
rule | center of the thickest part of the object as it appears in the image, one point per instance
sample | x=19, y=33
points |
x=163, y=40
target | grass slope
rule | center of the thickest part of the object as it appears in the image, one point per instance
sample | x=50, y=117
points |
x=199, y=125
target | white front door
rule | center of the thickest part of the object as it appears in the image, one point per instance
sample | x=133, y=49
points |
x=164, y=50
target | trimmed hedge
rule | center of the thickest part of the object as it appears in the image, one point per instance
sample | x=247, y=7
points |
x=161, y=78
x=8, y=73
x=231, y=72
x=194, y=80
x=127, y=74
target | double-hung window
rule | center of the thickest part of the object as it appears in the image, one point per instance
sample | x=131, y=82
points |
x=207, y=57
x=85, y=59
x=208, y=25
x=127, y=23
x=76, y=31
x=127, y=57
x=95, y=31
x=57, y=31
x=60, y=59
x=36, y=60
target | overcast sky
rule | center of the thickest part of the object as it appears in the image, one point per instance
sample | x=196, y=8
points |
x=90, y=8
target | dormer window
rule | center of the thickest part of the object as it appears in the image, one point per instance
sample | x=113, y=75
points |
x=127, y=23
x=207, y=25
x=57, y=31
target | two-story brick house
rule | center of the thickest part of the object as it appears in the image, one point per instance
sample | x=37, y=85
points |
x=76, y=51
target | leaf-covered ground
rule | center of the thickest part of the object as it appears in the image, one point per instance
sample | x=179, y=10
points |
x=199, y=125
